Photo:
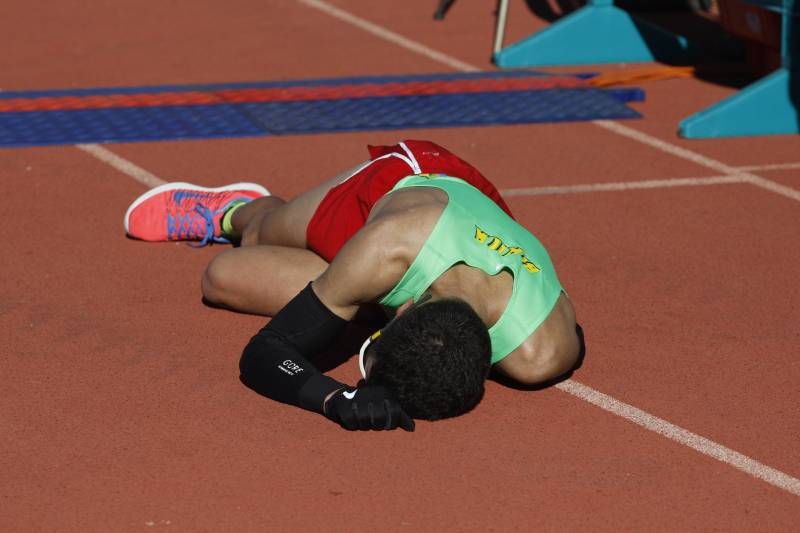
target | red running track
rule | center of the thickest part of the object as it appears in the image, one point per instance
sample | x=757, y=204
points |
x=121, y=406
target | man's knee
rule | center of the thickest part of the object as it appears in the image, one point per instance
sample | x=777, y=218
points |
x=217, y=281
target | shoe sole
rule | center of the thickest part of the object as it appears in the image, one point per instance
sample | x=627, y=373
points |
x=183, y=185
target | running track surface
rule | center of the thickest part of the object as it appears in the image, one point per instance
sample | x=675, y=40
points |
x=121, y=408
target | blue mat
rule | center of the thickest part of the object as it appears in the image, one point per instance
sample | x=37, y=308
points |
x=447, y=110
x=203, y=121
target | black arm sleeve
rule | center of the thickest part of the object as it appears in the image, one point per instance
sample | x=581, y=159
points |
x=276, y=361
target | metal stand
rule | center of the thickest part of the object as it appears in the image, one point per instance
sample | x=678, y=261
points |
x=444, y=5
x=500, y=28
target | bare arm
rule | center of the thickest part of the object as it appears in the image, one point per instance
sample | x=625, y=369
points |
x=366, y=268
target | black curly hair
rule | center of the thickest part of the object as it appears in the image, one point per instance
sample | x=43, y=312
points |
x=435, y=357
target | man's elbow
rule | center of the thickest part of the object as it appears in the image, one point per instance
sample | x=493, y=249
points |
x=547, y=365
x=251, y=363
x=245, y=364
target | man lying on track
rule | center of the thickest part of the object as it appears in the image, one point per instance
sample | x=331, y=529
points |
x=415, y=229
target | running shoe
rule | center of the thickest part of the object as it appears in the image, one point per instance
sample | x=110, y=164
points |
x=185, y=212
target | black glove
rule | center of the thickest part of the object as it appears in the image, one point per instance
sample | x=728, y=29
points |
x=367, y=407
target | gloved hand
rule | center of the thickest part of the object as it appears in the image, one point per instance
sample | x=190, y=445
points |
x=367, y=407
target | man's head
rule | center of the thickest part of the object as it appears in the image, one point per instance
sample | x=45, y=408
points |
x=435, y=357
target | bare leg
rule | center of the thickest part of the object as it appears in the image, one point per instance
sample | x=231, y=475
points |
x=254, y=211
x=272, y=265
x=259, y=279
x=272, y=221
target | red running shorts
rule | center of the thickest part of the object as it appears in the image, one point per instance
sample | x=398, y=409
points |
x=345, y=208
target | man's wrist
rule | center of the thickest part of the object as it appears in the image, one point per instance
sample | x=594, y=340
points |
x=317, y=391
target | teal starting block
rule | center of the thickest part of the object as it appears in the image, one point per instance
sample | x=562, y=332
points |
x=766, y=107
x=597, y=33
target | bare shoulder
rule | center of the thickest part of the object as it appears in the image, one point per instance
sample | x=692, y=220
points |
x=374, y=260
x=411, y=203
x=550, y=351
x=401, y=222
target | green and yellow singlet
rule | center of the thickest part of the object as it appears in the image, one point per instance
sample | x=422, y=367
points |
x=473, y=230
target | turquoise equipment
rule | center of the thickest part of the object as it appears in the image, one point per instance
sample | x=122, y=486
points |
x=766, y=107
x=597, y=33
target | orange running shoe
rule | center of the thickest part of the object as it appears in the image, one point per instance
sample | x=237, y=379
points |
x=186, y=212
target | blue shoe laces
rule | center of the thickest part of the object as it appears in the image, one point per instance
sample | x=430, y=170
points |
x=184, y=226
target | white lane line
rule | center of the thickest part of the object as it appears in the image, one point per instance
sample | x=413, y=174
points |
x=620, y=186
x=742, y=462
x=703, y=445
x=773, y=186
x=123, y=165
x=684, y=153
x=777, y=166
x=388, y=35
x=664, y=146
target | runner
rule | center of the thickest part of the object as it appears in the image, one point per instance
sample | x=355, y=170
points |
x=415, y=229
